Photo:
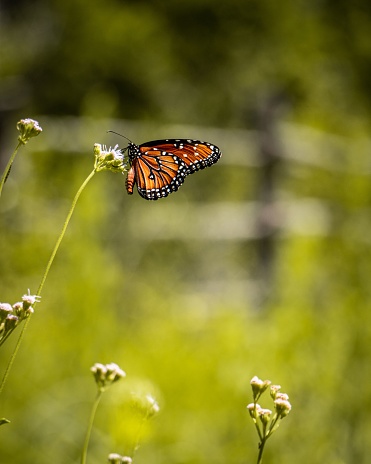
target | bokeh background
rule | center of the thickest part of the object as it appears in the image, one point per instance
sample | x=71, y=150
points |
x=258, y=266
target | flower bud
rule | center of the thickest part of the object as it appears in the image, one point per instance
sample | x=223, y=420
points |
x=283, y=407
x=5, y=310
x=29, y=300
x=115, y=458
x=153, y=407
x=114, y=372
x=22, y=310
x=258, y=386
x=126, y=460
x=253, y=409
x=274, y=390
x=18, y=308
x=265, y=415
x=28, y=128
x=11, y=322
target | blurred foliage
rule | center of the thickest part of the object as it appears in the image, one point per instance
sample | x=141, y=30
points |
x=173, y=291
x=205, y=61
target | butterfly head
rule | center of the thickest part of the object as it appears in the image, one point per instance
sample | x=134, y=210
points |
x=133, y=151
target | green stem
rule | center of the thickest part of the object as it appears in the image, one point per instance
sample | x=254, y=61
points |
x=90, y=426
x=272, y=425
x=50, y=262
x=14, y=354
x=8, y=168
x=138, y=436
x=266, y=435
x=261, y=449
x=256, y=423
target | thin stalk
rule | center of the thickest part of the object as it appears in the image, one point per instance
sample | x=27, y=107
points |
x=264, y=437
x=256, y=423
x=50, y=262
x=8, y=167
x=261, y=449
x=139, y=434
x=90, y=426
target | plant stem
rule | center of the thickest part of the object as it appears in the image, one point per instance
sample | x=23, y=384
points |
x=14, y=354
x=90, y=426
x=50, y=262
x=264, y=437
x=256, y=423
x=261, y=449
x=138, y=436
x=8, y=168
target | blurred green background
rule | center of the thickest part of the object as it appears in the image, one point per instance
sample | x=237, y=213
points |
x=257, y=266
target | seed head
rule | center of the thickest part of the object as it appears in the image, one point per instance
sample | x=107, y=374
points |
x=28, y=128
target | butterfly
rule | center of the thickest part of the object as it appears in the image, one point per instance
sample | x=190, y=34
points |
x=159, y=167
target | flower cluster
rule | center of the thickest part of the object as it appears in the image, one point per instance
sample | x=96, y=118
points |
x=28, y=128
x=114, y=458
x=111, y=159
x=145, y=405
x=266, y=422
x=106, y=374
x=12, y=316
x=281, y=401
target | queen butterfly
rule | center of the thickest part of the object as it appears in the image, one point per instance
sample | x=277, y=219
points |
x=159, y=167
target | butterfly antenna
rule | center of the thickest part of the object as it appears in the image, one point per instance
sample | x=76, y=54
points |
x=113, y=132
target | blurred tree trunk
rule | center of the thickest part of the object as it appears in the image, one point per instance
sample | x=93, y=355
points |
x=268, y=220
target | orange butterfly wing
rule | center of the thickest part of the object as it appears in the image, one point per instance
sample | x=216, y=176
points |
x=157, y=175
x=194, y=153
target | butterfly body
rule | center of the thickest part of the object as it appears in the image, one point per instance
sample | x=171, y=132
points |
x=159, y=167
